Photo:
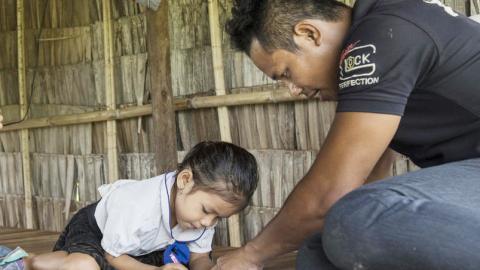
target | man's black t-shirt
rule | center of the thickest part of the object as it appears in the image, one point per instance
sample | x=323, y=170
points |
x=421, y=60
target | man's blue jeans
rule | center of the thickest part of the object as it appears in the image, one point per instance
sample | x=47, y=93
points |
x=425, y=220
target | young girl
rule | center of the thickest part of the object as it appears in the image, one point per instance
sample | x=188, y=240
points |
x=156, y=223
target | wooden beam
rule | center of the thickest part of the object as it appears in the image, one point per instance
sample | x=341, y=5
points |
x=158, y=47
x=81, y=118
x=27, y=178
x=267, y=97
x=224, y=121
x=111, y=132
x=250, y=98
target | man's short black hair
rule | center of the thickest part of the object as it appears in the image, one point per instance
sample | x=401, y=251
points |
x=271, y=22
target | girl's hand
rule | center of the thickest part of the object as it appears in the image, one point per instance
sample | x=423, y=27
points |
x=173, y=266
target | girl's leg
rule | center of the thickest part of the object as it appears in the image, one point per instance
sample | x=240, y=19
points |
x=80, y=261
x=52, y=260
x=60, y=260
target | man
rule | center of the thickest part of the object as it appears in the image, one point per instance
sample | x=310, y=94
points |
x=406, y=74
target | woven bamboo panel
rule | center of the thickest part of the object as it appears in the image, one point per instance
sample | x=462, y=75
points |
x=8, y=49
x=67, y=13
x=135, y=135
x=137, y=166
x=254, y=219
x=313, y=120
x=65, y=85
x=12, y=209
x=10, y=141
x=11, y=173
x=8, y=86
x=75, y=139
x=8, y=15
x=197, y=126
x=279, y=171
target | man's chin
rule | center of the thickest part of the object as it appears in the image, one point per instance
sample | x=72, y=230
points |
x=314, y=94
x=326, y=95
x=318, y=95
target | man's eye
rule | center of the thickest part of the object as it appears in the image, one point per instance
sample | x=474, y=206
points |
x=204, y=210
x=286, y=75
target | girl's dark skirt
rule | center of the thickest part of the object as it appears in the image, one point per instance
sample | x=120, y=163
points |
x=82, y=235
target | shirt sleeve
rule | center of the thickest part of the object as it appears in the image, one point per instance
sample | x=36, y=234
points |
x=204, y=244
x=385, y=58
x=122, y=232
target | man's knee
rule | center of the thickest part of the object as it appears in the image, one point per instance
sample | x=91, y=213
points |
x=312, y=256
x=349, y=227
x=79, y=261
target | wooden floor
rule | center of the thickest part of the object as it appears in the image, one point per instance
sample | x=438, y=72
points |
x=41, y=242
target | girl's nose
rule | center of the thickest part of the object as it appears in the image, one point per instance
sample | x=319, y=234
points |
x=208, y=221
x=294, y=90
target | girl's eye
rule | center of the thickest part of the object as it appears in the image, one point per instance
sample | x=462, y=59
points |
x=204, y=210
x=286, y=74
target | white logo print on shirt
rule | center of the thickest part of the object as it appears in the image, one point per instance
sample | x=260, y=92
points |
x=447, y=9
x=357, y=66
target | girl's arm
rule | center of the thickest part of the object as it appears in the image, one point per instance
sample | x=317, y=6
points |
x=125, y=262
x=200, y=261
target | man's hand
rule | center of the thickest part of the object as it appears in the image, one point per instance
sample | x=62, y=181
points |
x=238, y=259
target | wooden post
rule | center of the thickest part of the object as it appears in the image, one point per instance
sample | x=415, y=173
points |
x=111, y=133
x=158, y=46
x=27, y=178
x=224, y=122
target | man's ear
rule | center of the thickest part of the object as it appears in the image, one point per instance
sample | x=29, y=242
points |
x=306, y=33
x=185, y=180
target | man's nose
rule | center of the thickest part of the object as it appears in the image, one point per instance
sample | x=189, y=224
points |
x=294, y=90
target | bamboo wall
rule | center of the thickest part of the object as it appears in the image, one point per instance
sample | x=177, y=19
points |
x=68, y=163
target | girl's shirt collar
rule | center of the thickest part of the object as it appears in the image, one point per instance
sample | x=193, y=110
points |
x=179, y=234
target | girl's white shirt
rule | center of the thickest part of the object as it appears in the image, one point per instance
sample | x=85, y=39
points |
x=133, y=217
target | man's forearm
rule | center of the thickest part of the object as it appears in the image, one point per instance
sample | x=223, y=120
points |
x=304, y=211
x=383, y=168
x=302, y=214
x=202, y=263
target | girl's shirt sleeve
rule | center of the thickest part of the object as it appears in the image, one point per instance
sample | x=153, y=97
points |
x=204, y=244
x=124, y=224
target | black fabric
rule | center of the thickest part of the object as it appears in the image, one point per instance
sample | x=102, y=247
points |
x=82, y=235
x=420, y=60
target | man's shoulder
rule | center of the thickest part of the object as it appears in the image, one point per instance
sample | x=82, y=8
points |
x=416, y=11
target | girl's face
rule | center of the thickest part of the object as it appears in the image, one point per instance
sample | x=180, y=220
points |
x=198, y=209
